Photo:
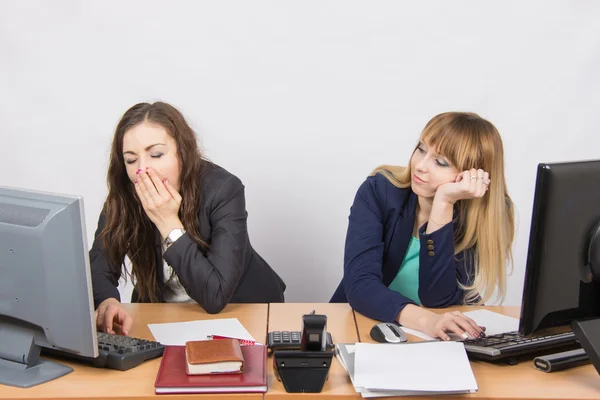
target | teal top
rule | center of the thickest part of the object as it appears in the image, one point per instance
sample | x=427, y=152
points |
x=406, y=281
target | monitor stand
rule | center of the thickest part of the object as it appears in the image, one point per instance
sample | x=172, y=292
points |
x=20, y=363
x=588, y=334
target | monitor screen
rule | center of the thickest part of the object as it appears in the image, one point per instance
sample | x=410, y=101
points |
x=45, y=289
x=558, y=285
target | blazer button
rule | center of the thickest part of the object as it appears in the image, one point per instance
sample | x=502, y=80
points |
x=430, y=247
x=431, y=253
x=430, y=241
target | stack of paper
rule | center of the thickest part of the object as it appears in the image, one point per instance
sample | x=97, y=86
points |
x=179, y=333
x=380, y=370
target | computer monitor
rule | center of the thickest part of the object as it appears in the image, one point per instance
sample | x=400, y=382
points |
x=45, y=285
x=564, y=243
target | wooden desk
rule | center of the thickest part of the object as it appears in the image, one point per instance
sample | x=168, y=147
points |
x=138, y=383
x=521, y=381
x=341, y=325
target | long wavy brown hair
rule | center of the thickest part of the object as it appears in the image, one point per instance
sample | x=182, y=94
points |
x=128, y=230
x=486, y=225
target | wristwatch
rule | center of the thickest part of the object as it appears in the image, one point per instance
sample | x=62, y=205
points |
x=173, y=236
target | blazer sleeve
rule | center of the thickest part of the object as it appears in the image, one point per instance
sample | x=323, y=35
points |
x=363, y=258
x=211, y=277
x=105, y=280
x=440, y=270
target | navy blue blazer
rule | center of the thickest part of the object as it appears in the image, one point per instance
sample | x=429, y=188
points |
x=379, y=230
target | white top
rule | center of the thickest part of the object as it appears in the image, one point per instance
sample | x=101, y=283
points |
x=176, y=292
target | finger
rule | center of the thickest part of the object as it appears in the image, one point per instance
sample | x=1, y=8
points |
x=141, y=195
x=174, y=193
x=473, y=173
x=109, y=317
x=472, y=322
x=480, y=186
x=465, y=178
x=144, y=193
x=469, y=330
x=486, y=179
x=143, y=172
x=156, y=181
x=126, y=322
x=480, y=174
x=473, y=329
x=452, y=326
x=442, y=335
x=152, y=196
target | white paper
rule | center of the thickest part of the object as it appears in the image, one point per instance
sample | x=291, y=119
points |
x=494, y=323
x=433, y=367
x=177, y=333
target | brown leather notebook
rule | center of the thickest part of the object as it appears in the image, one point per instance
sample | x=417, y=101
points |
x=223, y=356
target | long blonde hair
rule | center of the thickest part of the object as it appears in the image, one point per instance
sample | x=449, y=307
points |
x=485, y=226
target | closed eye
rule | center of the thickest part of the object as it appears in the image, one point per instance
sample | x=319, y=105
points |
x=159, y=155
x=130, y=161
x=442, y=163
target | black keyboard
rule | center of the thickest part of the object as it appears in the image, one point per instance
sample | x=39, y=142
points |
x=512, y=344
x=117, y=352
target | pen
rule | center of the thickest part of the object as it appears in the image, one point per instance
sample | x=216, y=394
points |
x=243, y=342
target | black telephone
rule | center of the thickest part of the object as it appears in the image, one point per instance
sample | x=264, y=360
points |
x=301, y=360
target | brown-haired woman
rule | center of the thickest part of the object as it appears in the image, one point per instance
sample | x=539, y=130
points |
x=180, y=219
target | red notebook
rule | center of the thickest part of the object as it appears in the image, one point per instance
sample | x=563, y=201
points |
x=173, y=378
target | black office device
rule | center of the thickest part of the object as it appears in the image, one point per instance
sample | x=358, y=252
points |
x=560, y=285
x=314, y=332
x=511, y=345
x=588, y=334
x=286, y=340
x=562, y=360
x=117, y=352
x=304, y=370
x=388, y=332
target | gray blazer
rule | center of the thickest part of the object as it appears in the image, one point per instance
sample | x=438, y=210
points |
x=230, y=271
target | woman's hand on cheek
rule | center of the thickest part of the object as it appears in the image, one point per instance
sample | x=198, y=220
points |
x=160, y=201
x=468, y=184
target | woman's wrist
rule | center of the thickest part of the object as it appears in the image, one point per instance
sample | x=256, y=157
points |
x=442, y=203
x=443, y=200
x=415, y=317
x=168, y=226
x=441, y=214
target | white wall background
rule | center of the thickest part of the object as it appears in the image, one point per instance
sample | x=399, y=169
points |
x=299, y=99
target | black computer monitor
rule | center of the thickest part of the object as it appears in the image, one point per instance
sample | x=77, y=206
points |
x=563, y=241
x=45, y=285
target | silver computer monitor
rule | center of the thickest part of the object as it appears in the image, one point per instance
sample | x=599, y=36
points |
x=45, y=285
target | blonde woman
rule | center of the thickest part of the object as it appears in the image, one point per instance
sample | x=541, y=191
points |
x=434, y=234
